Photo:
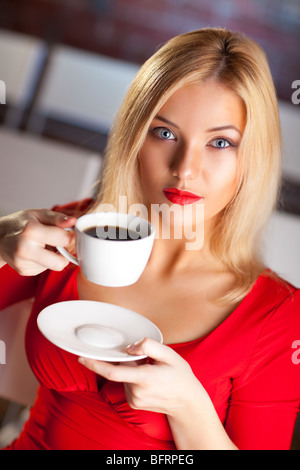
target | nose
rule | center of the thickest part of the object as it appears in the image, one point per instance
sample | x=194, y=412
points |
x=186, y=164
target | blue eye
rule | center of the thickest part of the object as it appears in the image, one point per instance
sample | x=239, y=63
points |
x=221, y=143
x=163, y=133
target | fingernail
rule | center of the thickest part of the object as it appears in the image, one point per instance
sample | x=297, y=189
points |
x=67, y=217
x=81, y=360
x=131, y=347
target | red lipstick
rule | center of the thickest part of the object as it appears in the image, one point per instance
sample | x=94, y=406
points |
x=177, y=196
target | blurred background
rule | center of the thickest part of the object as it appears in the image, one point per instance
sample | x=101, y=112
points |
x=66, y=65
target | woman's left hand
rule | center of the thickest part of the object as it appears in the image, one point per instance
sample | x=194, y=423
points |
x=166, y=385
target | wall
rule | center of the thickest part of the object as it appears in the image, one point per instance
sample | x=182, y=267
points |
x=133, y=29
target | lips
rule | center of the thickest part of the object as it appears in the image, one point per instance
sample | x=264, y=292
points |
x=177, y=196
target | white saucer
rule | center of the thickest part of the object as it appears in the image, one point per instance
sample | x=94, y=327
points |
x=95, y=330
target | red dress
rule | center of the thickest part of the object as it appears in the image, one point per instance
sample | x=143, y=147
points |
x=248, y=365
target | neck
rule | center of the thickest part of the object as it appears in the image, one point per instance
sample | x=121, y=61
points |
x=181, y=244
x=170, y=256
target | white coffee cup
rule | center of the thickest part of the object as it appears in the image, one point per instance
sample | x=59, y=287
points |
x=112, y=263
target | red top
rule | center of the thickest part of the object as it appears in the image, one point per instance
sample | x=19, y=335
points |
x=248, y=365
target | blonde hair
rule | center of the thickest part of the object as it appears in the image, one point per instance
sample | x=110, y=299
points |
x=240, y=64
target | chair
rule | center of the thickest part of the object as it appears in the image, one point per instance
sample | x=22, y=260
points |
x=21, y=61
x=18, y=385
x=36, y=172
x=17, y=382
x=281, y=242
x=281, y=246
x=81, y=88
x=290, y=125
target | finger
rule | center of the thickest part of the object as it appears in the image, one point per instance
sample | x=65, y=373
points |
x=28, y=269
x=114, y=373
x=34, y=258
x=50, y=260
x=45, y=234
x=49, y=217
x=153, y=349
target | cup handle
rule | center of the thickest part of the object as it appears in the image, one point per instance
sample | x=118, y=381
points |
x=65, y=253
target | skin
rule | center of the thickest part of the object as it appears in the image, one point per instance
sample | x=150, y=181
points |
x=25, y=238
x=182, y=153
x=182, y=147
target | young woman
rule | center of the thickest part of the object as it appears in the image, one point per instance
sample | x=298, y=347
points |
x=199, y=127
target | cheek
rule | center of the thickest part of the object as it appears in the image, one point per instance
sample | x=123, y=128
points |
x=145, y=167
x=149, y=173
x=224, y=179
x=152, y=164
x=145, y=163
x=230, y=181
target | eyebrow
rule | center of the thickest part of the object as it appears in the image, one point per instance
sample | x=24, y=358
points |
x=224, y=128
x=214, y=129
x=163, y=119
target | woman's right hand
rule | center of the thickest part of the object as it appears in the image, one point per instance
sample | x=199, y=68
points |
x=28, y=239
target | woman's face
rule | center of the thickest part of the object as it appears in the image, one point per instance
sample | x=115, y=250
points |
x=192, y=145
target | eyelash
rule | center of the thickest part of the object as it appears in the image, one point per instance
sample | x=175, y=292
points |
x=230, y=144
x=156, y=130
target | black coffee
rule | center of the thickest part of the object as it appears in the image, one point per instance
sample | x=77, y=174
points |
x=108, y=232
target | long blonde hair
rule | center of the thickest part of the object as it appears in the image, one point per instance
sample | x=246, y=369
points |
x=240, y=64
